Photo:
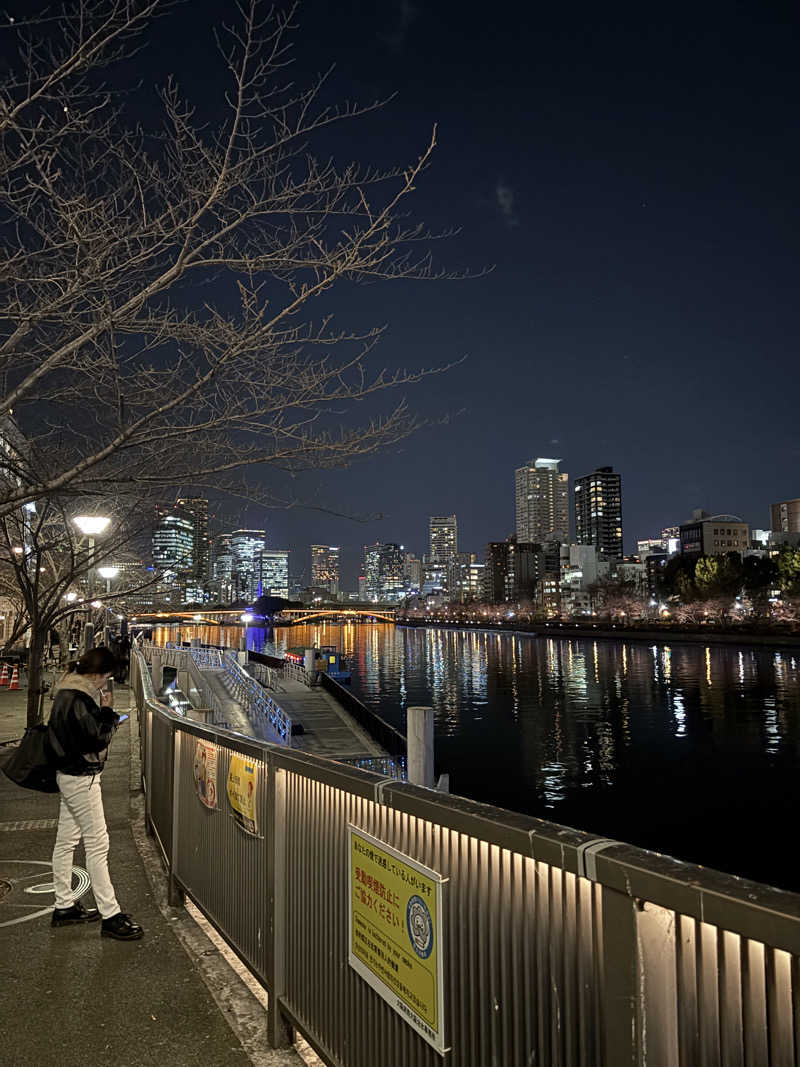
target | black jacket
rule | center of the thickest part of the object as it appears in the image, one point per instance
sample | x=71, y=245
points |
x=83, y=728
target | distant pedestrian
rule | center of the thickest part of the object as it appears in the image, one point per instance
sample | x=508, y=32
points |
x=84, y=722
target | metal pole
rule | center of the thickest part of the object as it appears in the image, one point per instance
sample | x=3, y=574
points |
x=420, y=746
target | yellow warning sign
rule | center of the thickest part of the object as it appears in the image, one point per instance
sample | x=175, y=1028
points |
x=396, y=932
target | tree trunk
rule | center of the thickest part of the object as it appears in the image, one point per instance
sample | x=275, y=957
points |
x=35, y=663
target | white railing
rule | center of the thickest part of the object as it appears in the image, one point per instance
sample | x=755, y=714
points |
x=256, y=701
x=184, y=659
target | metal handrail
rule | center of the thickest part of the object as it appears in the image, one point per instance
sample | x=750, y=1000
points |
x=256, y=701
x=182, y=659
x=558, y=947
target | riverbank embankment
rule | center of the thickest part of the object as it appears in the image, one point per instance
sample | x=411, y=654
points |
x=599, y=631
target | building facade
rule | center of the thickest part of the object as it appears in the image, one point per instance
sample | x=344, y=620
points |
x=196, y=508
x=173, y=541
x=785, y=516
x=325, y=567
x=247, y=551
x=511, y=571
x=442, y=539
x=598, y=512
x=714, y=535
x=542, y=502
x=275, y=572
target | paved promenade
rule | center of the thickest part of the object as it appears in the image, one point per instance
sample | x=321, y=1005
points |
x=73, y=998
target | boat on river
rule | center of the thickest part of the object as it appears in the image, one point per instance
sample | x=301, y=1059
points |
x=327, y=659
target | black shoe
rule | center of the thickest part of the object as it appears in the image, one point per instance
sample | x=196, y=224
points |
x=74, y=914
x=121, y=927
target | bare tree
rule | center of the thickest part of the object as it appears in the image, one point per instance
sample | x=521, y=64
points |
x=124, y=367
x=50, y=568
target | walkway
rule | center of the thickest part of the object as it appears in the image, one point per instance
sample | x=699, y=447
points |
x=328, y=729
x=71, y=997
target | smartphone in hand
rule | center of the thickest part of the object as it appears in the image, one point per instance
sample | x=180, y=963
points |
x=122, y=719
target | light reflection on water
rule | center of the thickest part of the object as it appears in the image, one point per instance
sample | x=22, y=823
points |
x=685, y=749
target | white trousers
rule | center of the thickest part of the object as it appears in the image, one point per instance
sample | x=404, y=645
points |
x=81, y=816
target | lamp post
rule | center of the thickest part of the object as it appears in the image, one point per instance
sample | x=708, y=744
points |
x=108, y=573
x=90, y=526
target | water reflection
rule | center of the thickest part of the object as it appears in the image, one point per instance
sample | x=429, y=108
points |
x=686, y=749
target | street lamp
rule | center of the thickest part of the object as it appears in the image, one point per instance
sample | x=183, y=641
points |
x=91, y=526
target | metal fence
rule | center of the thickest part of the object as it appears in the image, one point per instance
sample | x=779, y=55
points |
x=560, y=949
x=183, y=659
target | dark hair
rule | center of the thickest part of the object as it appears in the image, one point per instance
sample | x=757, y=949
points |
x=99, y=660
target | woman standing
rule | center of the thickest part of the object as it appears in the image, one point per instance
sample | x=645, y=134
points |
x=84, y=722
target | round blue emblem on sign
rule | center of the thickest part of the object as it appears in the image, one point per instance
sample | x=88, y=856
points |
x=420, y=927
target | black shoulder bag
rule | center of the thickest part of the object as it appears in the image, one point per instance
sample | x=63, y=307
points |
x=33, y=762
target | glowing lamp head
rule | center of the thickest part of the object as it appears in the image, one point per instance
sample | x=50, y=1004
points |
x=92, y=525
x=71, y=597
x=246, y=618
x=108, y=572
x=97, y=603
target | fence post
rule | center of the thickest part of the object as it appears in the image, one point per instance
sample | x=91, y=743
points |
x=420, y=746
x=620, y=994
x=279, y=1031
x=175, y=897
x=157, y=672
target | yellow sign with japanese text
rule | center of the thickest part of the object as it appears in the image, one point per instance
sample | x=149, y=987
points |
x=395, y=932
x=242, y=782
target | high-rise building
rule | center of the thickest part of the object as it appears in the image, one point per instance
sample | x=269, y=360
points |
x=173, y=541
x=443, y=539
x=275, y=572
x=542, y=499
x=598, y=512
x=391, y=571
x=412, y=573
x=382, y=572
x=325, y=567
x=247, y=549
x=785, y=517
x=196, y=508
x=511, y=570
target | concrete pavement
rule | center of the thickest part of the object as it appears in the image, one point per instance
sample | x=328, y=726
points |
x=71, y=997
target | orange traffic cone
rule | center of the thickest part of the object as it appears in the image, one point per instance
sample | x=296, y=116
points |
x=14, y=678
x=4, y=675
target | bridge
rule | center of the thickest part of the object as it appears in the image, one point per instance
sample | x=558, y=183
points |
x=351, y=613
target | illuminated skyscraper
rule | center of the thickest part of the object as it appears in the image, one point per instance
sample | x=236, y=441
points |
x=173, y=541
x=542, y=498
x=443, y=539
x=247, y=549
x=325, y=567
x=196, y=508
x=598, y=512
x=275, y=572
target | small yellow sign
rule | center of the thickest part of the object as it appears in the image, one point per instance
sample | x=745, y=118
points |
x=396, y=932
x=242, y=783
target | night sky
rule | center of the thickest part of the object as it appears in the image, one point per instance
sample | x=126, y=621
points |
x=631, y=173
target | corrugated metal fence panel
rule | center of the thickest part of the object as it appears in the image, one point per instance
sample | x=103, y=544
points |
x=521, y=961
x=224, y=869
x=160, y=784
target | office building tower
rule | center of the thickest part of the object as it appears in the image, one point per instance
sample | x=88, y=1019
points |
x=598, y=512
x=391, y=572
x=412, y=573
x=442, y=539
x=196, y=508
x=542, y=502
x=247, y=549
x=371, y=572
x=173, y=541
x=275, y=572
x=785, y=517
x=512, y=570
x=325, y=567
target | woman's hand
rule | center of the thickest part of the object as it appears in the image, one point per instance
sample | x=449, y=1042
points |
x=106, y=699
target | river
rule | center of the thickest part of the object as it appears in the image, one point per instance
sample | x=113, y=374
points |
x=685, y=749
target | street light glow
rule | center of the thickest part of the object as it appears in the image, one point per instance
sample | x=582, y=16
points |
x=71, y=597
x=247, y=617
x=97, y=603
x=91, y=525
x=108, y=572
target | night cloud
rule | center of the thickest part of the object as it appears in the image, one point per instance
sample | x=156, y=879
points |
x=404, y=16
x=504, y=195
